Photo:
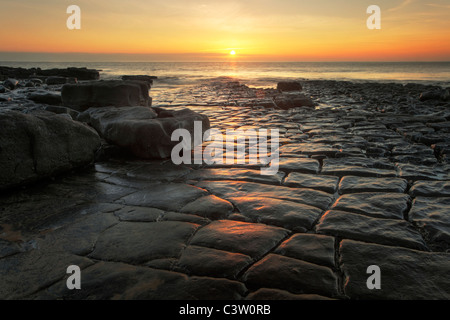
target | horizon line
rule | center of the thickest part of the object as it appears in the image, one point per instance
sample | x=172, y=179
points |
x=235, y=61
x=192, y=57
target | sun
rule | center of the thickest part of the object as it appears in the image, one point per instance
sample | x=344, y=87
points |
x=232, y=52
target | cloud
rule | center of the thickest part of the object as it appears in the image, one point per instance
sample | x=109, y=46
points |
x=435, y=5
x=402, y=5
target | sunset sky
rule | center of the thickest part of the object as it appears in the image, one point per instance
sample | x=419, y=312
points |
x=197, y=30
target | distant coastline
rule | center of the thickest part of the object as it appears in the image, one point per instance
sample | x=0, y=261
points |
x=266, y=73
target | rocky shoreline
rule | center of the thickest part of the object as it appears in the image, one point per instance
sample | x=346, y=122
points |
x=363, y=180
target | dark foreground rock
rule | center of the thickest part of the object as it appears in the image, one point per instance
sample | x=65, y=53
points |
x=287, y=101
x=101, y=281
x=142, y=131
x=45, y=97
x=10, y=84
x=383, y=231
x=289, y=86
x=435, y=95
x=35, y=146
x=405, y=274
x=112, y=93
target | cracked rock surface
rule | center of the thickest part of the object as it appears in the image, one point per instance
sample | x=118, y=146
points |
x=363, y=180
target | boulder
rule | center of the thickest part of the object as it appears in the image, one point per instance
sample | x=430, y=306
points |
x=62, y=110
x=287, y=101
x=36, y=81
x=111, y=93
x=40, y=145
x=286, y=86
x=45, y=97
x=11, y=84
x=435, y=95
x=141, y=130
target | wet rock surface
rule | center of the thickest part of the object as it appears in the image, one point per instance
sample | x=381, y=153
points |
x=112, y=93
x=363, y=180
x=140, y=130
x=40, y=145
x=403, y=271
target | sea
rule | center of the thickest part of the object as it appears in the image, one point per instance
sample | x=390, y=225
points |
x=264, y=74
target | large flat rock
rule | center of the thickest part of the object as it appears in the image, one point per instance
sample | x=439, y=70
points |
x=358, y=227
x=430, y=189
x=235, y=174
x=211, y=262
x=327, y=184
x=431, y=215
x=235, y=189
x=291, y=215
x=171, y=196
x=26, y=273
x=295, y=276
x=314, y=248
x=251, y=239
x=351, y=184
x=119, y=281
x=211, y=207
x=137, y=243
x=362, y=167
x=308, y=149
x=414, y=172
x=80, y=237
x=296, y=164
x=376, y=204
x=266, y=294
x=405, y=274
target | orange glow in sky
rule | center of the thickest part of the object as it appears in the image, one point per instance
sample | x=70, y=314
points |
x=262, y=30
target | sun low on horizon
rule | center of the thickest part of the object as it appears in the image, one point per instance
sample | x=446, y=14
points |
x=266, y=30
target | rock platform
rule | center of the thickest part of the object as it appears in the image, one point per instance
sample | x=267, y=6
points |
x=363, y=180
